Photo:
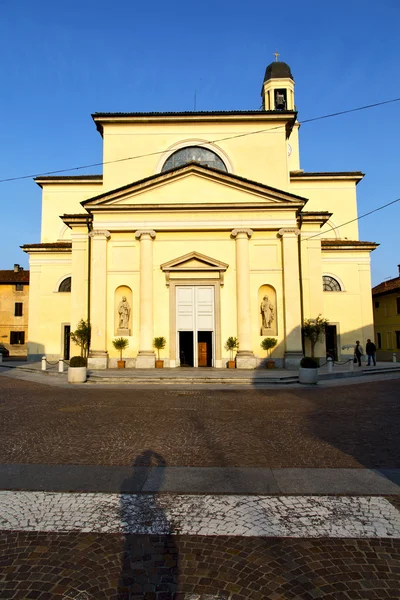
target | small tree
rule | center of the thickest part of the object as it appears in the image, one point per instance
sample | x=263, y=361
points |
x=159, y=343
x=231, y=344
x=314, y=329
x=81, y=337
x=267, y=344
x=120, y=344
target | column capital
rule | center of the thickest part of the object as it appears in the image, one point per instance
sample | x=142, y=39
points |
x=289, y=232
x=100, y=233
x=242, y=231
x=145, y=232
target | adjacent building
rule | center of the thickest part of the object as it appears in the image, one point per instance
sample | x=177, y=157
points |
x=14, y=311
x=202, y=226
x=386, y=301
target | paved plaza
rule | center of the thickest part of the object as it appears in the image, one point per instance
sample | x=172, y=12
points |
x=199, y=494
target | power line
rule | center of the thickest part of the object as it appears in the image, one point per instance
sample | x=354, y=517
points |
x=267, y=130
x=353, y=220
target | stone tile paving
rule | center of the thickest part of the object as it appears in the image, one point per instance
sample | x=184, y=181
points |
x=259, y=516
x=354, y=426
x=83, y=566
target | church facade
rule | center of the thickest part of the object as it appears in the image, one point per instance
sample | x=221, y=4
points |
x=202, y=226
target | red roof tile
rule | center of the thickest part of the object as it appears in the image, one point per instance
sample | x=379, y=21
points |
x=386, y=287
x=14, y=276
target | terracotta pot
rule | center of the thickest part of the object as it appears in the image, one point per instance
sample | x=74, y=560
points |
x=121, y=364
x=231, y=364
x=270, y=364
x=159, y=364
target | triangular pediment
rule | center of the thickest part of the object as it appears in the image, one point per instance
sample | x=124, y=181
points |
x=193, y=185
x=194, y=261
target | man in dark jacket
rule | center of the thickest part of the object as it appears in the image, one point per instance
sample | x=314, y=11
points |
x=370, y=349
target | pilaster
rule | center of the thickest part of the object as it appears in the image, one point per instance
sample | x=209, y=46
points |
x=146, y=356
x=79, y=279
x=245, y=358
x=98, y=356
x=291, y=297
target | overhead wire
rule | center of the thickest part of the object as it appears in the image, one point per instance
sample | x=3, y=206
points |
x=305, y=239
x=135, y=157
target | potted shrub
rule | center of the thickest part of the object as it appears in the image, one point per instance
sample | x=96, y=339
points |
x=308, y=372
x=231, y=345
x=77, y=370
x=314, y=329
x=267, y=344
x=120, y=344
x=159, y=343
x=81, y=337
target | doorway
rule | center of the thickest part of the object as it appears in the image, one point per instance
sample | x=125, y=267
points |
x=204, y=349
x=186, y=354
x=195, y=323
x=331, y=341
x=66, y=341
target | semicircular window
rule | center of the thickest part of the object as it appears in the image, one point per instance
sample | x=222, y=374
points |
x=65, y=285
x=330, y=284
x=203, y=156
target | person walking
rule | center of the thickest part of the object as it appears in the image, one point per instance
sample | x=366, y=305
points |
x=358, y=352
x=370, y=349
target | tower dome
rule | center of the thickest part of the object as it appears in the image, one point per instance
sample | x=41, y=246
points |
x=278, y=70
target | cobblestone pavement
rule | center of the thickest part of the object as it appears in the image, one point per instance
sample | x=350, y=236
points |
x=261, y=516
x=153, y=547
x=353, y=426
x=83, y=566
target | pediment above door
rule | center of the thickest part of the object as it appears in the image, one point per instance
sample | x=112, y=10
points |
x=194, y=262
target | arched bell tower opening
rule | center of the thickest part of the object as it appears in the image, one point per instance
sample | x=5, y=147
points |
x=278, y=87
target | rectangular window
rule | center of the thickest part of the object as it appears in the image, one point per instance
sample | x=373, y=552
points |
x=17, y=337
x=379, y=340
x=18, y=309
x=376, y=304
x=398, y=340
x=398, y=305
x=19, y=287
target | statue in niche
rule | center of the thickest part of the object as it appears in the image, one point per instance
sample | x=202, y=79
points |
x=124, y=311
x=267, y=313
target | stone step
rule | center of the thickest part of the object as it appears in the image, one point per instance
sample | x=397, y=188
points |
x=191, y=380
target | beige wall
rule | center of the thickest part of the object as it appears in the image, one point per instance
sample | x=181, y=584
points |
x=8, y=322
x=48, y=308
x=387, y=323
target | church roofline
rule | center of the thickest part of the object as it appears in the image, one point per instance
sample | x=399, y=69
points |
x=351, y=175
x=68, y=179
x=48, y=247
x=338, y=244
x=202, y=169
x=289, y=116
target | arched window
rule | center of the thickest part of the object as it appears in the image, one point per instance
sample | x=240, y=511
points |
x=65, y=285
x=203, y=156
x=330, y=284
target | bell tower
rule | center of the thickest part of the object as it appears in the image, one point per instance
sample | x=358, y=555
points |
x=278, y=87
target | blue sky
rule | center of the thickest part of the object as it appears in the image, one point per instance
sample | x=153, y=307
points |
x=61, y=61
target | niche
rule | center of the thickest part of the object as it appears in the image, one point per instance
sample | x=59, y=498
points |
x=123, y=311
x=267, y=311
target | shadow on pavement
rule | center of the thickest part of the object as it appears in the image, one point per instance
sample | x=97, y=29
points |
x=149, y=564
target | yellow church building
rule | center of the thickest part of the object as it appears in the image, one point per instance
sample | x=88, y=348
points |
x=201, y=227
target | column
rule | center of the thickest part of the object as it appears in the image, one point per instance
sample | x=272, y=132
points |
x=291, y=298
x=79, y=277
x=245, y=358
x=146, y=356
x=98, y=356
